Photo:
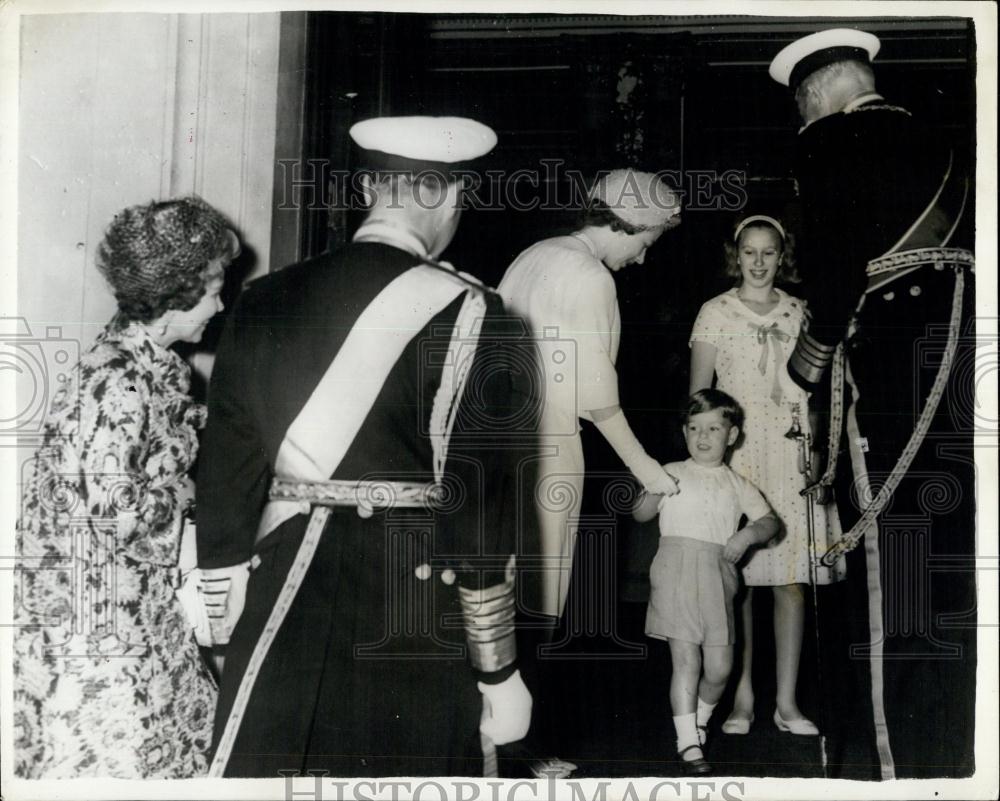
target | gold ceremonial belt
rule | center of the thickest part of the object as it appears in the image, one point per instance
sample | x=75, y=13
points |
x=366, y=495
x=887, y=268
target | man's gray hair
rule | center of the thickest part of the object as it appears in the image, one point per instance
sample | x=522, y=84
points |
x=826, y=76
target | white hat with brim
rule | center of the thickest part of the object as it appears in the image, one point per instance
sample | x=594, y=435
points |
x=806, y=55
x=421, y=143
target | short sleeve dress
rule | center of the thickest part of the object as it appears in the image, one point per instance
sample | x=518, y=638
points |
x=108, y=678
x=751, y=353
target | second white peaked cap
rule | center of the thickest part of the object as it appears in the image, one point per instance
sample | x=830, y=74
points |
x=441, y=140
x=642, y=199
x=806, y=55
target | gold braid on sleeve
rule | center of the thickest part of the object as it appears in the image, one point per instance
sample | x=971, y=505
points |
x=489, y=624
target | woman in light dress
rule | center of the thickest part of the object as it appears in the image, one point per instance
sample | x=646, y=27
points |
x=563, y=289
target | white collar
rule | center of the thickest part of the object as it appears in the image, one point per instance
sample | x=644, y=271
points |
x=860, y=100
x=392, y=234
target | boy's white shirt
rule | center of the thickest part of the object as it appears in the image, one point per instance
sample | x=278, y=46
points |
x=747, y=500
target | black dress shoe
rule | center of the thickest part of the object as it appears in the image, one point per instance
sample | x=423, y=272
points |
x=694, y=767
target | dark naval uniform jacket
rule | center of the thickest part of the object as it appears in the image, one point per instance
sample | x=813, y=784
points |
x=370, y=672
x=874, y=181
x=864, y=177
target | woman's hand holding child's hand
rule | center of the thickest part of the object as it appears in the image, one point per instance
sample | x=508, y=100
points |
x=663, y=484
x=736, y=546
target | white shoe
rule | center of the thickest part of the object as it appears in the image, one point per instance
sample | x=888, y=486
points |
x=802, y=726
x=737, y=725
x=552, y=768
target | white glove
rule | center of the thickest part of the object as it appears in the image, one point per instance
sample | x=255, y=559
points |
x=644, y=467
x=663, y=484
x=224, y=590
x=506, y=710
x=191, y=601
x=188, y=558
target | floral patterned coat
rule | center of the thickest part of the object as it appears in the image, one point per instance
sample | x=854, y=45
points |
x=108, y=677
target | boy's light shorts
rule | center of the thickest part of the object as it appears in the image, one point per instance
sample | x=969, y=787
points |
x=691, y=596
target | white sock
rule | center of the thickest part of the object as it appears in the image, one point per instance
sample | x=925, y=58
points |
x=703, y=715
x=687, y=732
x=704, y=712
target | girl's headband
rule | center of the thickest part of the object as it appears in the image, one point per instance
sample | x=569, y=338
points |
x=753, y=218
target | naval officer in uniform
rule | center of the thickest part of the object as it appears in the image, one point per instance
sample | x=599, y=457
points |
x=350, y=491
x=889, y=288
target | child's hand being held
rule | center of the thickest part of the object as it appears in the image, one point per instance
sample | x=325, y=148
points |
x=736, y=546
x=663, y=484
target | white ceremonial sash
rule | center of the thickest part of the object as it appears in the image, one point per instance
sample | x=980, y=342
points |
x=454, y=376
x=325, y=428
x=327, y=425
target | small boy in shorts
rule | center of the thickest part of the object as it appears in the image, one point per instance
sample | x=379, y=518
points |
x=693, y=577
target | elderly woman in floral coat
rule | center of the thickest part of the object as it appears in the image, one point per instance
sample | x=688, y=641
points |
x=108, y=677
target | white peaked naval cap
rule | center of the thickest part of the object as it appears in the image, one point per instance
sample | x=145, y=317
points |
x=641, y=199
x=806, y=55
x=415, y=141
